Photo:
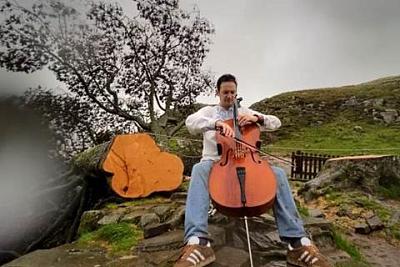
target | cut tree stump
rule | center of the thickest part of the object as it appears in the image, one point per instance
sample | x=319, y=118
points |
x=138, y=167
x=366, y=173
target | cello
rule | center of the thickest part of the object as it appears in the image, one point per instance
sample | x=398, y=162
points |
x=241, y=183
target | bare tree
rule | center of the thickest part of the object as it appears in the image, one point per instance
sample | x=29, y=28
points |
x=144, y=69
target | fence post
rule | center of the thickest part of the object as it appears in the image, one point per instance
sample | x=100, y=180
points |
x=292, y=174
x=305, y=166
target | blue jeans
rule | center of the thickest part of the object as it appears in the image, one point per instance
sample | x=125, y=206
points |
x=198, y=200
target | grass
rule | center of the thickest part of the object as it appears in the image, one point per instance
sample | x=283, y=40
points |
x=396, y=234
x=184, y=186
x=341, y=138
x=394, y=231
x=112, y=206
x=345, y=245
x=392, y=191
x=303, y=211
x=139, y=202
x=117, y=237
x=354, y=200
x=370, y=204
x=351, y=199
x=324, y=120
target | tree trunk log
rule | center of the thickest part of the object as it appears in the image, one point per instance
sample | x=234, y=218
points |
x=134, y=165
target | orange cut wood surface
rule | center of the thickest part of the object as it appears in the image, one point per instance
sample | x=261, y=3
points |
x=140, y=168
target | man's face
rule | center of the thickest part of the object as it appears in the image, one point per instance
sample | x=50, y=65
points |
x=227, y=94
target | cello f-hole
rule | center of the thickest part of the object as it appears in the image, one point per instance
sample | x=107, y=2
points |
x=252, y=157
x=219, y=149
x=226, y=158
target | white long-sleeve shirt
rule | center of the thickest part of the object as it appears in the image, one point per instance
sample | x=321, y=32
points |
x=203, y=121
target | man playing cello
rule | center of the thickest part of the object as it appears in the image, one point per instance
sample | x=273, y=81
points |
x=197, y=250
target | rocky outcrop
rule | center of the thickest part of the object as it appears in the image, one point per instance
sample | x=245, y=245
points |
x=367, y=173
x=361, y=193
x=162, y=225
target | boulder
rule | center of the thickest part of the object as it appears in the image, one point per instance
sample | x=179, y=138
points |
x=366, y=173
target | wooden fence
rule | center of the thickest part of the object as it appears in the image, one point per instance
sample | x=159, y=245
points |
x=305, y=166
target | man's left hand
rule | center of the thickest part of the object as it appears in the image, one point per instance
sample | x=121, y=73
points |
x=247, y=119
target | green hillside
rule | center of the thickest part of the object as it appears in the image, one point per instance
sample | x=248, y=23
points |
x=356, y=119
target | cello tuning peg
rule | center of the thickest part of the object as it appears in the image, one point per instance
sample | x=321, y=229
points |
x=238, y=100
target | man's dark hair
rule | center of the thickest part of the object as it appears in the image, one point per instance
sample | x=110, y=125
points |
x=225, y=78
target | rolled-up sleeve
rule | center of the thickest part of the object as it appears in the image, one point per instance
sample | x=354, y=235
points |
x=271, y=122
x=201, y=121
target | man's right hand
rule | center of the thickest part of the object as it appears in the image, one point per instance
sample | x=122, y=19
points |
x=224, y=128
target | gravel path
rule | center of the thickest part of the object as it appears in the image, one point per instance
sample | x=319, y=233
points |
x=376, y=250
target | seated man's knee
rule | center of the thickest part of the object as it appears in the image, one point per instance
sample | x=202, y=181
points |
x=279, y=174
x=200, y=170
x=196, y=169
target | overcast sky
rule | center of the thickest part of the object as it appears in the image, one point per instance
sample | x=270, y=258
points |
x=273, y=46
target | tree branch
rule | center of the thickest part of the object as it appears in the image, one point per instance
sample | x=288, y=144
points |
x=174, y=130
